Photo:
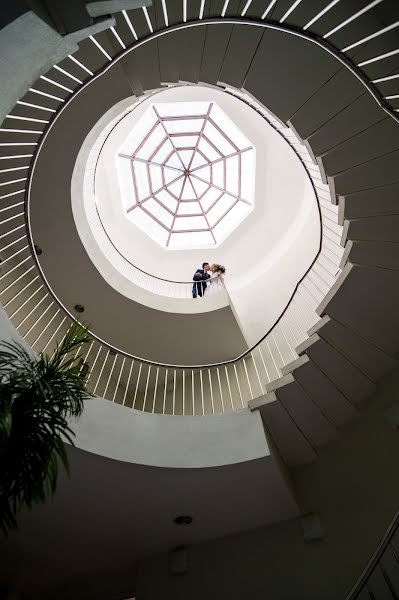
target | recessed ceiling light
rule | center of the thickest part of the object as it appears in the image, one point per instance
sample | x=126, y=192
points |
x=183, y=520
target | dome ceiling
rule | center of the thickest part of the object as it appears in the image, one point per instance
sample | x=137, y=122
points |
x=187, y=174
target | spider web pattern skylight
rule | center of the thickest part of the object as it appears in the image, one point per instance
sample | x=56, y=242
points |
x=188, y=174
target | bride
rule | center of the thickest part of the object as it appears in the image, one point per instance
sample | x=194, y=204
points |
x=215, y=283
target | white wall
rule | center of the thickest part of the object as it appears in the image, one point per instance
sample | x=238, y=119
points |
x=260, y=297
x=268, y=253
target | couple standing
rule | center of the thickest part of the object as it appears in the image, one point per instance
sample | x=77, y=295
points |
x=208, y=280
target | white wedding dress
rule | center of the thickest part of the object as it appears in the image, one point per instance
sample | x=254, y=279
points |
x=215, y=285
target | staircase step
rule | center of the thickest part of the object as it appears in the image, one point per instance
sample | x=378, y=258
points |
x=306, y=414
x=376, y=47
x=139, y=21
x=90, y=56
x=279, y=9
x=381, y=171
x=216, y=7
x=268, y=76
x=336, y=15
x=216, y=42
x=130, y=68
x=358, y=116
x=291, y=442
x=384, y=255
x=369, y=203
x=375, y=318
x=190, y=62
x=240, y=52
x=169, y=50
x=340, y=91
x=377, y=140
x=325, y=395
x=370, y=360
x=124, y=29
x=348, y=379
x=384, y=228
x=148, y=65
x=194, y=9
x=255, y=9
x=174, y=12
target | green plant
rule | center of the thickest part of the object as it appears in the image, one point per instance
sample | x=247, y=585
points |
x=38, y=397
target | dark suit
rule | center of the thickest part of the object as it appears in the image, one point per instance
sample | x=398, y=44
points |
x=200, y=277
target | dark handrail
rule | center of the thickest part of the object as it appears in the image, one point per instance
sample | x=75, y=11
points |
x=167, y=365
x=289, y=30
x=374, y=560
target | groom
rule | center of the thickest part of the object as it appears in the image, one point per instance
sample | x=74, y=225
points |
x=200, y=277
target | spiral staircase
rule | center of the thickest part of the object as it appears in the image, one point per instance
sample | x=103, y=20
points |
x=325, y=76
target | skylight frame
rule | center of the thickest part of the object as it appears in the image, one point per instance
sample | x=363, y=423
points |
x=195, y=186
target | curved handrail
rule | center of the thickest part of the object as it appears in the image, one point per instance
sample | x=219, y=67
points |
x=309, y=291
x=216, y=21
x=374, y=560
x=168, y=365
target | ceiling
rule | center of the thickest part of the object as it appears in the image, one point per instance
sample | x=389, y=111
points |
x=110, y=513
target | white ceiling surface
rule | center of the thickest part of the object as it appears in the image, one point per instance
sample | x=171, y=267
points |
x=122, y=510
x=265, y=256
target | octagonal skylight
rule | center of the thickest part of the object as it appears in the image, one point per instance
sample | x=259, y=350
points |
x=187, y=174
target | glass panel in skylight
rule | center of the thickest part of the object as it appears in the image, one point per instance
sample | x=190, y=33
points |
x=208, y=150
x=217, y=173
x=151, y=143
x=171, y=175
x=126, y=183
x=184, y=125
x=226, y=147
x=141, y=179
x=174, y=161
x=232, y=174
x=150, y=226
x=198, y=161
x=191, y=187
x=163, y=152
x=229, y=127
x=187, y=191
x=191, y=240
x=186, y=156
x=176, y=188
x=159, y=212
x=167, y=200
x=189, y=208
x=189, y=223
x=184, y=141
x=210, y=198
x=203, y=172
x=181, y=109
x=199, y=186
x=247, y=175
x=142, y=129
x=220, y=208
x=156, y=177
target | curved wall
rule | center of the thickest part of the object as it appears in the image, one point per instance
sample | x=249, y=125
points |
x=265, y=256
x=127, y=325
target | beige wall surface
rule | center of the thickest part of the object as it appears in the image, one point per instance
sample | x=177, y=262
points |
x=353, y=485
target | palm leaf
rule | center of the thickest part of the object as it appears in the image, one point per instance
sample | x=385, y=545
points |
x=38, y=397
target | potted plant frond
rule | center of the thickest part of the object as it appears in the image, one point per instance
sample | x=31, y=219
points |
x=38, y=397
